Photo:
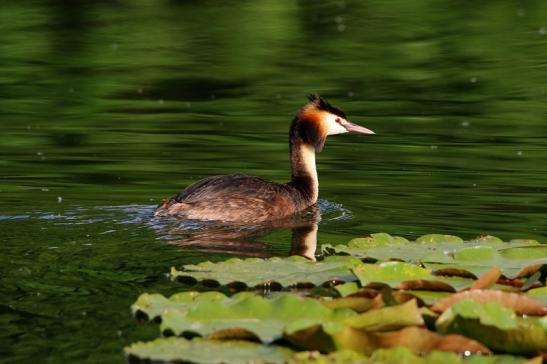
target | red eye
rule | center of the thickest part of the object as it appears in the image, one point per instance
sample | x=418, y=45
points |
x=338, y=121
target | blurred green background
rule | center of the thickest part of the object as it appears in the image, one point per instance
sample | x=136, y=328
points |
x=108, y=106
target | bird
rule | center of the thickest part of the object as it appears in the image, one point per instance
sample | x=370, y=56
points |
x=242, y=199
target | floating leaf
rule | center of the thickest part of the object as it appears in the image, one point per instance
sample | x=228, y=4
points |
x=439, y=238
x=347, y=288
x=488, y=279
x=254, y=272
x=252, y=317
x=419, y=340
x=153, y=305
x=375, y=240
x=445, y=252
x=337, y=357
x=403, y=355
x=388, y=318
x=539, y=294
x=355, y=303
x=520, y=303
x=496, y=326
x=407, y=276
x=175, y=349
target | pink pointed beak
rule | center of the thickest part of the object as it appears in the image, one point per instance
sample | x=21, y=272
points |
x=357, y=129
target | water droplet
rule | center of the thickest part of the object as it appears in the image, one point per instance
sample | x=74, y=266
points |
x=473, y=80
x=114, y=46
x=542, y=31
x=45, y=189
x=519, y=153
x=521, y=12
x=338, y=19
x=71, y=90
x=351, y=94
x=119, y=333
x=160, y=101
x=465, y=124
x=341, y=27
x=59, y=199
x=140, y=90
x=433, y=147
x=40, y=153
x=474, y=185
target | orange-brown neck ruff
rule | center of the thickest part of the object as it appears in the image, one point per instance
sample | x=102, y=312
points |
x=306, y=136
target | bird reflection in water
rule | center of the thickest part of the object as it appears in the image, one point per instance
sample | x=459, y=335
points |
x=245, y=239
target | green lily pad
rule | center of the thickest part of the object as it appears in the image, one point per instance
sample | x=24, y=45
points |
x=337, y=357
x=446, y=252
x=153, y=305
x=496, y=326
x=438, y=239
x=539, y=294
x=175, y=349
x=329, y=338
x=252, y=317
x=403, y=355
x=407, y=276
x=255, y=272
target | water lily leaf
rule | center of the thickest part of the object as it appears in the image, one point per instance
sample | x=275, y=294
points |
x=517, y=258
x=407, y=276
x=337, y=357
x=496, y=326
x=375, y=240
x=403, y=355
x=253, y=272
x=429, y=297
x=487, y=239
x=419, y=340
x=439, y=238
x=520, y=303
x=175, y=349
x=252, y=317
x=347, y=288
x=153, y=305
x=388, y=318
x=356, y=303
x=538, y=294
x=488, y=279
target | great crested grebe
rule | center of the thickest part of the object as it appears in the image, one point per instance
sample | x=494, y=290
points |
x=238, y=198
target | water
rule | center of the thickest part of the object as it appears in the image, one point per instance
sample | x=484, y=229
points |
x=108, y=107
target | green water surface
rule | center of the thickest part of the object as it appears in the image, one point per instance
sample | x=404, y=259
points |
x=106, y=107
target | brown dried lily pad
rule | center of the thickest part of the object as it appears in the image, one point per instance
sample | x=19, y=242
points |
x=520, y=303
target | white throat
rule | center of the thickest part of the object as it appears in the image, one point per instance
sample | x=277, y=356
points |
x=306, y=167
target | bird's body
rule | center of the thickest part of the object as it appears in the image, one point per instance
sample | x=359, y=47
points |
x=238, y=198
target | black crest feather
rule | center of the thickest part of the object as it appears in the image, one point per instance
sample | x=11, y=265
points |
x=323, y=104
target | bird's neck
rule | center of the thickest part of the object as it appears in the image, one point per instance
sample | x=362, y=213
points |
x=303, y=170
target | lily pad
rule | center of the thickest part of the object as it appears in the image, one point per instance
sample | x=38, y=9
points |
x=252, y=317
x=153, y=305
x=538, y=294
x=175, y=349
x=445, y=252
x=255, y=272
x=403, y=355
x=520, y=303
x=407, y=276
x=496, y=326
x=419, y=340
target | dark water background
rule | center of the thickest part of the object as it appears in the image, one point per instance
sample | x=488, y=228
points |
x=107, y=107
